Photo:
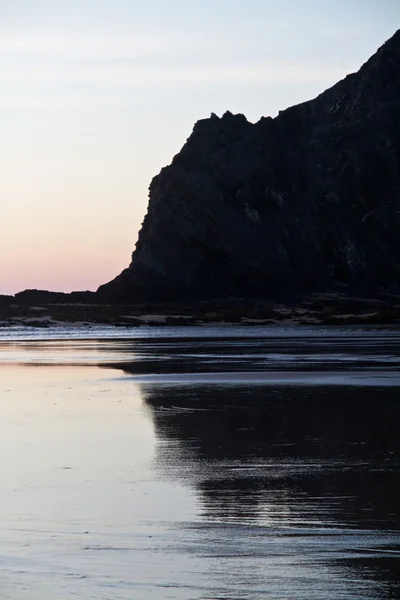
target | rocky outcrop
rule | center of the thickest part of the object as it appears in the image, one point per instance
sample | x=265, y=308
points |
x=309, y=200
x=32, y=297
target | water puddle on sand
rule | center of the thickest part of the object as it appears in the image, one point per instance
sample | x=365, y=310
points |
x=132, y=469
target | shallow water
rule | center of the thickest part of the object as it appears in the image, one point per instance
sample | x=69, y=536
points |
x=200, y=463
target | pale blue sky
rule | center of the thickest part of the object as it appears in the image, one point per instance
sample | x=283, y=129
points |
x=98, y=95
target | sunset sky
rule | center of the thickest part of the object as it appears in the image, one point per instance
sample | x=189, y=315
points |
x=98, y=95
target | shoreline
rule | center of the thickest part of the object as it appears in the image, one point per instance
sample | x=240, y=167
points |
x=316, y=310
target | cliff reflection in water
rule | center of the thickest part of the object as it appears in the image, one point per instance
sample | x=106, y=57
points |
x=305, y=459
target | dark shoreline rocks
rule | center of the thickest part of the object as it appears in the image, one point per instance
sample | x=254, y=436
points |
x=308, y=201
x=315, y=309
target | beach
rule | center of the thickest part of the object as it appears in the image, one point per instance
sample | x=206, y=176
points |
x=199, y=462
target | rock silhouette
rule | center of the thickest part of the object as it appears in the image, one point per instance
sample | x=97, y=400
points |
x=307, y=201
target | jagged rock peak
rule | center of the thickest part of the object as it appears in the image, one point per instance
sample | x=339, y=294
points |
x=215, y=123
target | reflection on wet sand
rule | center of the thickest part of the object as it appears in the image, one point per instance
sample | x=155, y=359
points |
x=315, y=470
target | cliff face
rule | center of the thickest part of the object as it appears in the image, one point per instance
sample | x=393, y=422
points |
x=306, y=201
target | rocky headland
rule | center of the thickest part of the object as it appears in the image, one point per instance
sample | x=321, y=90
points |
x=306, y=202
x=294, y=219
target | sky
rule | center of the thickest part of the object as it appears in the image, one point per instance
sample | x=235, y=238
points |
x=98, y=95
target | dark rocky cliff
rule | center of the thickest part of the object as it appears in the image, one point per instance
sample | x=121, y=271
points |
x=307, y=201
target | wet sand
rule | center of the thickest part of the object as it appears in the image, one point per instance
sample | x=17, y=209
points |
x=208, y=465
